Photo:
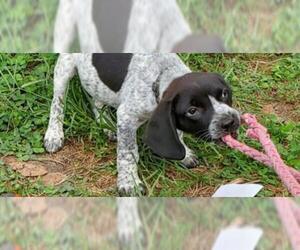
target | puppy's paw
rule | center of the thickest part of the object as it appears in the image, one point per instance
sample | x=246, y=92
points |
x=132, y=189
x=190, y=161
x=54, y=140
x=133, y=239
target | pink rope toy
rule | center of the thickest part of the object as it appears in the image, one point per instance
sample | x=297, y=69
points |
x=289, y=214
x=289, y=176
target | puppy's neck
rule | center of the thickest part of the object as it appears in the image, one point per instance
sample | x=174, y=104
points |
x=172, y=68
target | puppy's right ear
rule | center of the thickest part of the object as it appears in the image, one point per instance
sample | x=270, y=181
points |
x=161, y=134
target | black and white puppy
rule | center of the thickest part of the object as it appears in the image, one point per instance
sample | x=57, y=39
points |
x=158, y=88
x=141, y=26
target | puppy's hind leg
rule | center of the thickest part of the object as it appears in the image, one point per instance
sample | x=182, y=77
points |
x=112, y=136
x=64, y=70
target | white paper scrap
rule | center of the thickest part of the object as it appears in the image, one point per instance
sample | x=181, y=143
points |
x=235, y=238
x=238, y=190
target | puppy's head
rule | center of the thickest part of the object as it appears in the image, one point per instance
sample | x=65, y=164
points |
x=196, y=103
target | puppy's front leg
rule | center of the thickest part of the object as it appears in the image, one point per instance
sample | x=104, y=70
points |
x=190, y=160
x=64, y=70
x=129, y=183
x=130, y=231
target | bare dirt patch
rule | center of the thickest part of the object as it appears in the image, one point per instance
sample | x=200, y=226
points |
x=106, y=182
x=54, y=179
x=27, y=169
x=75, y=159
x=285, y=111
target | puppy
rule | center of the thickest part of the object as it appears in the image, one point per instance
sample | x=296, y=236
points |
x=129, y=25
x=158, y=88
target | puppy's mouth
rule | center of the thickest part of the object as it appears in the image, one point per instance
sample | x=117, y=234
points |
x=221, y=134
x=218, y=139
x=222, y=126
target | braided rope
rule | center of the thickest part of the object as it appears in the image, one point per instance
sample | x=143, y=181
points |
x=289, y=176
x=290, y=219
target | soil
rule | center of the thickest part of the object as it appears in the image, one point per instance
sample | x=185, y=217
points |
x=286, y=111
x=73, y=160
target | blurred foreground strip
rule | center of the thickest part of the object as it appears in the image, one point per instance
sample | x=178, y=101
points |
x=152, y=223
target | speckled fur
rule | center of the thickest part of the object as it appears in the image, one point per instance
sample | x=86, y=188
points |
x=161, y=24
x=135, y=103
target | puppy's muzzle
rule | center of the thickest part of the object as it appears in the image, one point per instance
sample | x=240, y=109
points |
x=226, y=123
x=230, y=123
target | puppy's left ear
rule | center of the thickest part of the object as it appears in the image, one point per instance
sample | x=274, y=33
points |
x=161, y=134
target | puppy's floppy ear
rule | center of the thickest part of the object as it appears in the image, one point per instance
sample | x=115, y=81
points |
x=161, y=134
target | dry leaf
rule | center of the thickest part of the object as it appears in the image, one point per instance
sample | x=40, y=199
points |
x=31, y=170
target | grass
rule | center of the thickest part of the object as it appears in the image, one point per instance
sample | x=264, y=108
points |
x=244, y=25
x=264, y=84
x=169, y=223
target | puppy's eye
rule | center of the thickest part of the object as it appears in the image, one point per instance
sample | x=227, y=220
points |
x=192, y=111
x=225, y=95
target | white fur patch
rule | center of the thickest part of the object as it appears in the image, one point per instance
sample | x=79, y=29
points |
x=221, y=111
x=220, y=107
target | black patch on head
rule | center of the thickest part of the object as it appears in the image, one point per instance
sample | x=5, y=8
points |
x=193, y=91
x=112, y=68
x=111, y=18
x=190, y=91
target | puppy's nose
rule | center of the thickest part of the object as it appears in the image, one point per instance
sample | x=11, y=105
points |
x=231, y=124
